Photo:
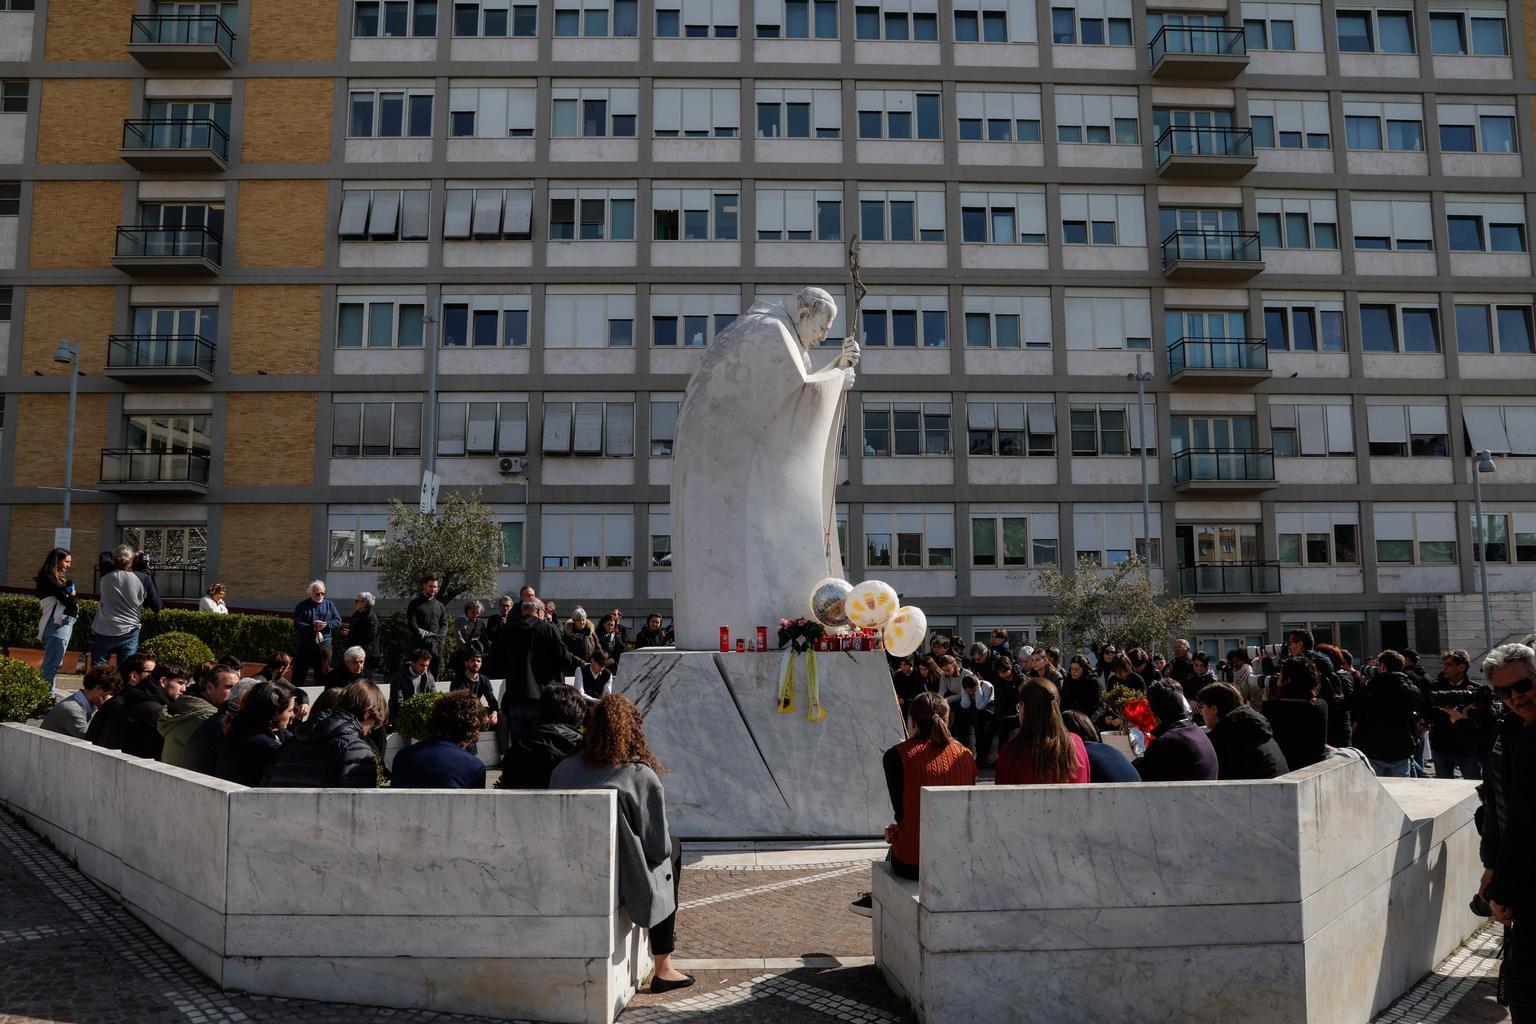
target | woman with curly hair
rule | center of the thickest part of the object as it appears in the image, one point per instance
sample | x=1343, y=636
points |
x=614, y=756
x=446, y=758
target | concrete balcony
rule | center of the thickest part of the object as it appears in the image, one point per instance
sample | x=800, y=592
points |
x=1219, y=361
x=1223, y=470
x=195, y=144
x=1206, y=154
x=140, y=471
x=158, y=251
x=160, y=357
x=1230, y=581
x=1201, y=256
x=1207, y=54
x=182, y=42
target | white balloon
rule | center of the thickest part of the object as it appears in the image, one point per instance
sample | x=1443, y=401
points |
x=871, y=604
x=829, y=602
x=905, y=632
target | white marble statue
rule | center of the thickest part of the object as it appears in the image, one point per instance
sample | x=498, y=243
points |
x=754, y=471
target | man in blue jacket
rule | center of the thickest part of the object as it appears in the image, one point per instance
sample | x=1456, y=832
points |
x=444, y=759
x=315, y=621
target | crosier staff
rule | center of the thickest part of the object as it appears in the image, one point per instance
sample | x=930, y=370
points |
x=848, y=359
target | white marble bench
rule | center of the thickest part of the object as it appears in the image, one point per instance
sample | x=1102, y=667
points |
x=1316, y=898
x=496, y=903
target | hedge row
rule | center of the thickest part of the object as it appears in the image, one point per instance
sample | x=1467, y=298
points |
x=248, y=637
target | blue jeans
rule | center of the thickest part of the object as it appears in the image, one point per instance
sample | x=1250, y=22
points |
x=521, y=716
x=1446, y=765
x=103, y=647
x=1392, y=769
x=55, y=643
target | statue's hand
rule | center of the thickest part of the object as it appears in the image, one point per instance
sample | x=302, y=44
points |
x=850, y=356
x=848, y=376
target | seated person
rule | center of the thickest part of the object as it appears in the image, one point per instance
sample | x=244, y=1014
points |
x=1105, y=763
x=531, y=757
x=1178, y=750
x=71, y=715
x=473, y=680
x=351, y=668
x=443, y=760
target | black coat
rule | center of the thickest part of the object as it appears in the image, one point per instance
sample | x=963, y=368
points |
x=205, y=744
x=1245, y=746
x=363, y=631
x=329, y=750
x=246, y=757
x=1179, y=752
x=1507, y=818
x=531, y=654
x=428, y=620
x=528, y=762
x=130, y=721
x=403, y=685
x=1181, y=671
x=1301, y=729
x=480, y=686
x=1387, y=710
x=1085, y=694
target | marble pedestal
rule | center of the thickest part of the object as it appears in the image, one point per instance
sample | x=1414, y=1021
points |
x=739, y=769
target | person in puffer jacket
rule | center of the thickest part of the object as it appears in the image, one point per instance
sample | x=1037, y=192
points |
x=331, y=749
x=1243, y=738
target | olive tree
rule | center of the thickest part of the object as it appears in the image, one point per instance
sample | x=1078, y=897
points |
x=460, y=543
x=1120, y=605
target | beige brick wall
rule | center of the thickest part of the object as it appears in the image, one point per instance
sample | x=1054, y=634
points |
x=74, y=223
x=282, y=224
x=42, y=424
x=294, y=29
x=88, y=29
x=264, y=551
x=81, y=120
x=275, y=328
x=31, y=538
x=287, y=121
x=84, y=314
x=269, y=438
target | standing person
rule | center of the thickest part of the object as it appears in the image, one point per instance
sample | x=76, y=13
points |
x=428, y=620
x=120, y=613
x=531, y=759
x=468, y=632
x=364, y=631
x=1182, y=668
x=623, y=631
x=580, y=637
x=929, y=757
x=134, y=728
x=1507, y=824
x=213, y=600
x=72, y=715
x=652, y=634
x=1204, y=675
x=189, y=711
x=614, y=756
x=254, y=733
x=1244, y=741
x=56, y=591
x=445, y=759
x=1248, y=684
x=1446, y=743
x=475, y=681
x=1105, y=763
x=1178, y=750
x=315, y=621
x=1300, y=644
x=1044, y=752
x=1142, y=664
x=531, y=653
x=612, y=639
x=332, y=748
x=1299, y=719
x=1387, y=711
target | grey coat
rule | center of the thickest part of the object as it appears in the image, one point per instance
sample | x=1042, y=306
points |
x=67, y=717
x=644, y=846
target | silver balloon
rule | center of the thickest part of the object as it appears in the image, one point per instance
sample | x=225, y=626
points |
x=828, y=602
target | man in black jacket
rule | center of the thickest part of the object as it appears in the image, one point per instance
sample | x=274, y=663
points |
x=531, y=654
x=428, y=620
x=133, y=725
x=1445, y=739
x=1181, y=669
x=1386, y=712
x=1507, y=823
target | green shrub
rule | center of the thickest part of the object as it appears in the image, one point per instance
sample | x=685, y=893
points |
x=182, y=648
x=24, y=693
x=411, y=721
x=247, y=637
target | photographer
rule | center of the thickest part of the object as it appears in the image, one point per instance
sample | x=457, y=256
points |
x=1386, y=711
x=1453, y=691
x=1507, y=823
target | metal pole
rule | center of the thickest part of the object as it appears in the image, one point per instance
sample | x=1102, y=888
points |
x=1141, y=426
x=69, y=444
x=429, y=427
x=1482, y=545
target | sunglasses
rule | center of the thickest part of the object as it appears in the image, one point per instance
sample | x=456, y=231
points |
x=1518, y=686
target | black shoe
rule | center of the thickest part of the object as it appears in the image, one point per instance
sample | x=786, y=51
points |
x=864, y=906
x=660, y=985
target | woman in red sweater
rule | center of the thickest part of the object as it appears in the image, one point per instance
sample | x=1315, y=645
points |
x=1043, y=751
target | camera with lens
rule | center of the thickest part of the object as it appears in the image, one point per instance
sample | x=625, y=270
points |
x=1477, y=696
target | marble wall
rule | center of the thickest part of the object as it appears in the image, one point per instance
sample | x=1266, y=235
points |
x=496, y=903
x=1316, y=898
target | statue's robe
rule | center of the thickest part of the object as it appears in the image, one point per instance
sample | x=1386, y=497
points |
x=754, y=471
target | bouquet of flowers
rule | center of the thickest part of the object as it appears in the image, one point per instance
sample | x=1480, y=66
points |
x=799, y=634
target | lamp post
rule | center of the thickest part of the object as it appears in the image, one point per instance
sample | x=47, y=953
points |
x=68, y=353
x=1484, y=464
x=1141, y=426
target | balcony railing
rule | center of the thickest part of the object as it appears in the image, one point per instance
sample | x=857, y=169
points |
x=1217, y=354
x=147, y=134
x=1180, y=40
x=151, y=243
x=1212, y=247
x=168, y=40
x=1183, y=140
x=1224, y=465
x=160, y=352
x=1229, y=578
x=173, y=582
x=140, y=466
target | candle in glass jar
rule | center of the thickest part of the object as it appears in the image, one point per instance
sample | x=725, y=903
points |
x=725, y=639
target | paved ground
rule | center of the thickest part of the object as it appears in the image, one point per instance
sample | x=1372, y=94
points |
x=771, y=943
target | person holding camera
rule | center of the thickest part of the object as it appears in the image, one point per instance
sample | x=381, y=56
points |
x=1387, y=710
x=1507, y=824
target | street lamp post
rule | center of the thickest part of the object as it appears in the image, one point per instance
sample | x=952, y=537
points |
x=1141, y=424
x=1484, y=464
x=68, y=353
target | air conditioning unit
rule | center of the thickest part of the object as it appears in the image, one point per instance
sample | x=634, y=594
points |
x=508, y=466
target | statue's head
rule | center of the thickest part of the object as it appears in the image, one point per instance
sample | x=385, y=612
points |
x=812, y=312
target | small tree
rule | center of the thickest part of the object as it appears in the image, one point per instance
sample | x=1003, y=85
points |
x=1121, y=606
x=460, y=542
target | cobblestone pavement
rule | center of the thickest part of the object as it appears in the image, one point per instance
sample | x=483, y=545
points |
x=769, y=945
